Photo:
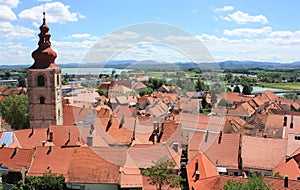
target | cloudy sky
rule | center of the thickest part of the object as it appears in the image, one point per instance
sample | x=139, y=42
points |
x=229, y=30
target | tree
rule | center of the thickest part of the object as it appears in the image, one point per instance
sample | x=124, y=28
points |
x=291, y=96
x=163, y=173
x=254, y=182
x=100, y=92
x=237, y=89
x=200, y=86
x=247, y=89
x=45, y=182
x=14, y=110
x=228, y=77
x=21, y=81
x=146, y=91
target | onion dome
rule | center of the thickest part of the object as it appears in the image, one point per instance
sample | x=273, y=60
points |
x=44, y=56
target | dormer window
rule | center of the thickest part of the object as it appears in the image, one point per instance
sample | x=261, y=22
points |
x=41, y=80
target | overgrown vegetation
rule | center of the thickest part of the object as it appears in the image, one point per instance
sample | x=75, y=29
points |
x=254, y=182
x=45, y=182
x=14, y=110
x=163, y=173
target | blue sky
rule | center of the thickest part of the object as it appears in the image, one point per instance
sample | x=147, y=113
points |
x=230, y=30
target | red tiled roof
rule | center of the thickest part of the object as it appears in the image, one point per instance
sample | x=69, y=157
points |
x=263, y=153
x=87, y=167
x=205, y=168
x=289, y=168
x=51, y=160
x=218, y=182
x=16, y=158
x=226, y=153
x=27, y=139
x=145, y=155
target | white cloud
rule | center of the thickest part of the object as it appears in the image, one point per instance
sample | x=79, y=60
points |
x=223, y=9
x=83, y=35
x=6, y=14
x=248, y=32
x=282, y=34
x=56, y=12
x=123, y=36
x=10, y=31
x=10, y=3
x=242, y=18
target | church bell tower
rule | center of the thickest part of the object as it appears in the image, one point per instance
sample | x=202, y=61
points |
x=44, y=84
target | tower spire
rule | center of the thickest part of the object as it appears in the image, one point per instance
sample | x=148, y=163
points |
x=44, y=56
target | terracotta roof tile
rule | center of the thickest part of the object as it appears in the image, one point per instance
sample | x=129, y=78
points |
x=51, y=160
x=263, y=153
x=145, y=155
x=87, y=167
x=289, y=168
x=203, y=165
x=226, y=152
x=16, y=158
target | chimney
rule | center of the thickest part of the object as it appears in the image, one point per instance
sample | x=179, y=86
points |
x=111, y=118
x=51, y=136
x=175, y=146
x=16, y=150
x=220, y=137
x=50, y=150
x=197, y=173
x=162, y=127
x=286, y=182
x=292, y=122
x=285, y=121
x=206, y=136
x=90, y=140
x=69, y=135
x=123, y=119
x=43, y=143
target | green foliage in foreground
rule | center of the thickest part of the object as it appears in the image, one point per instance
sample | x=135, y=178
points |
x=163, y=173
x=14, y=110
x=46, y=182
x=254, y=182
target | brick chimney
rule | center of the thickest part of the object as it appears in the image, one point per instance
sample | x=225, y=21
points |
x=220, y=137
x=292, y=122
x=284, y=126
x=286, y=182
x=90, y=140
x=175, y=146
x=197, y=173
x=51, y=136
x=206, y=136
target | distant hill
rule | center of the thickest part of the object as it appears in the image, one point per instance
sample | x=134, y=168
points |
x=182, y=65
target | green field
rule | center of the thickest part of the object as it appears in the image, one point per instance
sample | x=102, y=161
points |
x=284, y=86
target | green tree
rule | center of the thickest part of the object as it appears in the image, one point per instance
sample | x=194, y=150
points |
x=163, y=173
x=228, y=77
x=45, y=182
x=291, y=95
x=146, y=91
x=247, y=89
x=237, y=89
x=200, y=86
x=100, y=92
x=21, y=81
x=254, y=182
x=14, y=110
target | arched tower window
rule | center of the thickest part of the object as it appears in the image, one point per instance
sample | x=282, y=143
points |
x=42, y=100
x=41, y=80
x=57, y=80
